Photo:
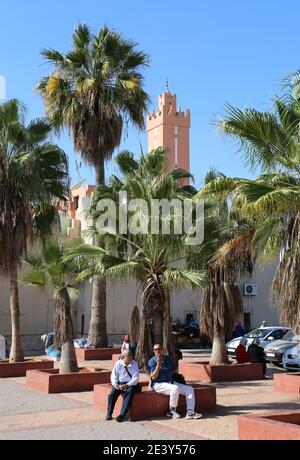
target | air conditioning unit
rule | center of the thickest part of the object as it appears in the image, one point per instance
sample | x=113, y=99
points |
x=250, y=289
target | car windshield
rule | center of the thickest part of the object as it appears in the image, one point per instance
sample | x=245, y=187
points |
x=289, y=335
x=258, y=333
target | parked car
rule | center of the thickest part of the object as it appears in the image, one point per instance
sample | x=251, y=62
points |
x=265, y=334
x=291, y=358
x=274, y=351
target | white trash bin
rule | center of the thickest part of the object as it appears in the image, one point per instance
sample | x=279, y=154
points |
x=2, y=347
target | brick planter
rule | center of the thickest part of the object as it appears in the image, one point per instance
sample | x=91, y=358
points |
x=202, y=371
x=115, y=358
x=148, y=404
x=50, y=381
x=287, y=383
x=8, y=369
x=96, y=354
x=281, y=425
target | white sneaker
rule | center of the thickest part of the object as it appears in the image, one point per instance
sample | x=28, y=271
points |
x=173, y=414
x=193, y=415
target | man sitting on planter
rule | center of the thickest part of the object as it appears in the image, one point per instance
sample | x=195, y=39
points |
x=161, y=369
x=124, y=379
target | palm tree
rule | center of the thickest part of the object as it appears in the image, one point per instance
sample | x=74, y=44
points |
x=271, y=141
x=33, y=172
x=225, y=251
x=155, y=261
x=48, y=269
x=134, y=324
x=94, y=91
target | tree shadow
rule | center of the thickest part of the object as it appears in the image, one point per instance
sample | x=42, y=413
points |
x=243, y=409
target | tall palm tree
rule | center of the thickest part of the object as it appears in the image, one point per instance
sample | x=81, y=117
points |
x=94, y=91
x=225, y=251
x=49, y=269
x=33, y=172
x=155, y=261
x=271, y=141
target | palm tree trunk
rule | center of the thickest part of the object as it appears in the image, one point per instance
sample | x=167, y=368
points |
x=168, y=342
x=98, y=327
x=97, y=332
x=134, y=325
x=219, y=354
x=16, y=352
x=68, y=362
x=157, y=328
x=144, y=349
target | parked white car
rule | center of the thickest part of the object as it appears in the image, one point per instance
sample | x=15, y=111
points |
x=265, y=335
x=291, y=358
x=274, y=351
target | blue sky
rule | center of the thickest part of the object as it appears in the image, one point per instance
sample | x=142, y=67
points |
x=212, y=51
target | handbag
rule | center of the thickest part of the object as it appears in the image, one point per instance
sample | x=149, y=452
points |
x=178, y=378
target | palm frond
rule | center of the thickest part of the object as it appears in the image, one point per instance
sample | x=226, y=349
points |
x=178, y=278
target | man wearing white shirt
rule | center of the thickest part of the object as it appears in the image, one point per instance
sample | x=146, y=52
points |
x=124, y=379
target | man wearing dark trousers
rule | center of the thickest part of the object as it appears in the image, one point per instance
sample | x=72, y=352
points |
x=124, y=379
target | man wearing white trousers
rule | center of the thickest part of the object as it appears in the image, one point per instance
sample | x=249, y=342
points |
x=161, y=369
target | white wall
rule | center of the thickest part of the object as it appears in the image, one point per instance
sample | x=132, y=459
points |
x=37, y=307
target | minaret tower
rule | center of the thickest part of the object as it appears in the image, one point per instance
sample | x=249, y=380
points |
x=170, y=128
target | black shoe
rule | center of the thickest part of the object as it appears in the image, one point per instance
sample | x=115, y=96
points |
x=108, y=417
x=120, y=418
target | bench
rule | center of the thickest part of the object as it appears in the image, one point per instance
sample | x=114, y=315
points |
x=96, y=354
x=148, y=404
x=287, y=383
x=50, y=381
x=19, y=369
x=274, y=426
x=202, y=371
x=115, y=358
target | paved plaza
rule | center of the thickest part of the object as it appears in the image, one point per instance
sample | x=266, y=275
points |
x=25, y=414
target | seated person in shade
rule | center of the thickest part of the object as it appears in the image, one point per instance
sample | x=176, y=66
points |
x=241, y=354
x=161, y=369
x=256, y=354
x=124, y=379
x=48, y=339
